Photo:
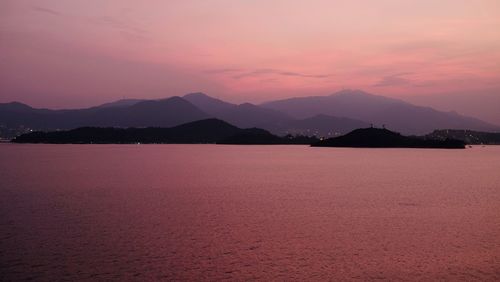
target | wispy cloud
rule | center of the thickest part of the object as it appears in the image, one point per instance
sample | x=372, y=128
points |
x=261, y=72
x=117, y=24
x=126, y=29
x=394, y=80
x=224, y=70
x=46, y=10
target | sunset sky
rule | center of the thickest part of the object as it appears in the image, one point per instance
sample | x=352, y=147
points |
x=63, y=53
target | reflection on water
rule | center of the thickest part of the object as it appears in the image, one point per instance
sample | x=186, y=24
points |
x=208, y=212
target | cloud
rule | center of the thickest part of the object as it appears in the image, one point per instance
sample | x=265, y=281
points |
x=224, y=70
x=412, y=46
x=114, y=23
x=126, y=29
x=394, y=80
x=46, y=10
x=260, y=72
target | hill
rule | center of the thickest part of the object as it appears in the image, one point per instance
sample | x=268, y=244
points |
x=383, y=138
x=203, y=131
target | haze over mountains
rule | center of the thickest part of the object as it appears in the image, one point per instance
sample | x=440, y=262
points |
x=393, y=113
x=484, y=104
x=330, y=115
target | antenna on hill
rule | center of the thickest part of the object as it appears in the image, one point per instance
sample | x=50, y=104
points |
x=383, y=126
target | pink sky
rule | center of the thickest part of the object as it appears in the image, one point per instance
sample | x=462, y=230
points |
x=60, y=53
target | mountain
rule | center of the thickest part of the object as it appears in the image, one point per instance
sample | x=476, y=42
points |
x=323, y=116
x=209, y=105
x=162, y=113
x=243, y=115
x=346, y=103
x=393, y=113
x=167, y=112
x=483, y=104
x=121, y=103
x=250, y=115
x=384, y=138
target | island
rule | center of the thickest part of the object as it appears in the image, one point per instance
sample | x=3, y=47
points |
x=384, y=138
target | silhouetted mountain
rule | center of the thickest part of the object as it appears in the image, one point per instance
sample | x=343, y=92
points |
x=249, y=115
x=320, y=115
x=483, y=104
x=15, y=107
x=121, y=103
x=243, y=115
x=468, y=136
x=15, y=114
x=163, y=113
x=383, y=138
x=395, y=114
x=209, y=105
x=167, y=112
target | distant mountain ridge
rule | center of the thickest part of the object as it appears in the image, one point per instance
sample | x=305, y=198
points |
x=242, y=115
x=326, y=116
x=162, y=113
x=393, y=113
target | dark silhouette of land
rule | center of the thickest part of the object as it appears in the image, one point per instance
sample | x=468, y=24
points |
x=468, y=136
x=262, y=137
x=384, y=138
x=203, y=131
x=221, y=132
x=329, y=116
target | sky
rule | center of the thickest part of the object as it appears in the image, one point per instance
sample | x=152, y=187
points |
x=59, y=53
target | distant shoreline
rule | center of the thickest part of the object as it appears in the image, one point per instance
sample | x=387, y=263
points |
x=215, y=131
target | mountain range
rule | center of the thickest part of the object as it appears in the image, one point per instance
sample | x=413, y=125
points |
x=392, y=113
x=330, y=115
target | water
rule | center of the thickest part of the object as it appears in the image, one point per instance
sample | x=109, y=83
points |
x=208, y=212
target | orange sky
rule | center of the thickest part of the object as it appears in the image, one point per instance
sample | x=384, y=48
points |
x=63, y=53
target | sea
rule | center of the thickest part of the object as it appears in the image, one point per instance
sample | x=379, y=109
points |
x=248, y=213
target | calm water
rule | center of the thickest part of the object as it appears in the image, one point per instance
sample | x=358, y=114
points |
x=208, y=212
